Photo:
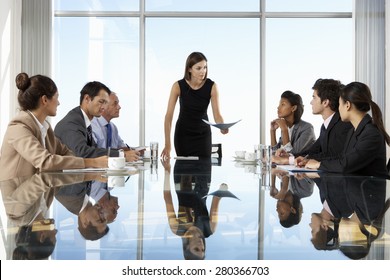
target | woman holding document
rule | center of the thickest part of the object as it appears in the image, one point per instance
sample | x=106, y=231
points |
x=365, y=148
x=195, y=91
x=29, y=144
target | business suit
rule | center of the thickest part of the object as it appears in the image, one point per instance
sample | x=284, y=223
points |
x=333, y=189
x=71, y=130
x=302, y=137
x=331, y=141
x=364, y=152
x=22, y=152
x=72, y=197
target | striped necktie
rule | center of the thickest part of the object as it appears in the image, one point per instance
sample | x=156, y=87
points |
x=89, y=136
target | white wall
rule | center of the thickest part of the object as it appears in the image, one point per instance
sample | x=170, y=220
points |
x=10, y=59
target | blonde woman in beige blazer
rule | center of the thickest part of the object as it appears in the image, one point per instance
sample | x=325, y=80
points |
x=29, y=144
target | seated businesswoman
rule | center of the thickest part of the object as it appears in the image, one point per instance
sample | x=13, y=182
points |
x=29, y=144
x=365, y=147
x=296, y=134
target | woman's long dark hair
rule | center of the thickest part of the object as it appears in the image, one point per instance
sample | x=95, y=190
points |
x=359, y=95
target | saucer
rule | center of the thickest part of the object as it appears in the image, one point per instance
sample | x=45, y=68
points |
x=248, y=161
x=238, y=158
x=245, y=161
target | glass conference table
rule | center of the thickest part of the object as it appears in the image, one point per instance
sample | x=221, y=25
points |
x=207, y=209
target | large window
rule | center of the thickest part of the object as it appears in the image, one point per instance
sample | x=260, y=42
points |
x=300, y=51
x=139, y=49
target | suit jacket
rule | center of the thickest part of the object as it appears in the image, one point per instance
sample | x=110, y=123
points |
x=72, y=131
x=22, y=195
x=72, y=196
x=334, y=190
x=330, y=144
x=302, y=137
x=22, y=152
x=364, y=152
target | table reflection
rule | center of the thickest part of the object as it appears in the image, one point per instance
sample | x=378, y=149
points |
x=195, y=210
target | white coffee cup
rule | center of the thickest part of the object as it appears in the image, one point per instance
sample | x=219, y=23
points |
x=116, y=181
x=240, y=154
x=250, y=156
x=116, y=163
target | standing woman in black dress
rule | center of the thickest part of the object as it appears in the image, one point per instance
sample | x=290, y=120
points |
x=195, y=90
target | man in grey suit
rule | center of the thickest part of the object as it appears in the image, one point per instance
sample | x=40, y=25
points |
x=75, y=129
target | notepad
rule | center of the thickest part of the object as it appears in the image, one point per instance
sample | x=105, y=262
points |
x=91, y=169
x=187, y=158
x=220, y=125
x=293, y=168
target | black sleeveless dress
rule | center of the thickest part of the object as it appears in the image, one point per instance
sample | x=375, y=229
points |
x=192, y=135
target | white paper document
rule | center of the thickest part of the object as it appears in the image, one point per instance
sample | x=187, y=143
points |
x=293, y=168
x=91, y=169
x=126, y=169
x=221, y=125
x=140, y=148
x=187, y=158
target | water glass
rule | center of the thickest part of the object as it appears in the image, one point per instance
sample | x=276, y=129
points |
x=153, y=171
x=266, y=156
x=154, y=151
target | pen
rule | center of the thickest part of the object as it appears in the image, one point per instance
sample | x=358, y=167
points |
x=108, y=151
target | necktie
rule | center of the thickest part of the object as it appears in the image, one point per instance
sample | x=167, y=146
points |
x=109, y=135
x=322, y=137
x=89, y=136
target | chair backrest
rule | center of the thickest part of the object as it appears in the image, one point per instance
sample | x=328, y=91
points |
x=216, y=149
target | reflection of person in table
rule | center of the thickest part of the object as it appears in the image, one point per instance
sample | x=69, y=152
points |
x=352, y=214
x=26, y=202
x=292, y=190
x=192, y=222
x=92, y=219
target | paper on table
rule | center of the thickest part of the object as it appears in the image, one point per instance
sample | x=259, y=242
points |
x=91, y=169
x=140, y=148
x=293, y=168
x=187, y=158
x=221, y=125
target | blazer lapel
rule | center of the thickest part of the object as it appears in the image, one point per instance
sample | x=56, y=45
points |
x=354, y=134
x=333, y=121
x=32, y=123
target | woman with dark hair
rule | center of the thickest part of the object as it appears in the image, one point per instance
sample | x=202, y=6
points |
x=29, y=143
x=296, y=134
x=194, y=91
x=365, y=149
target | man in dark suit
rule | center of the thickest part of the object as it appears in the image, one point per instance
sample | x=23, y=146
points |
x=75, y=129
x=334, y=132
x=91, y=221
